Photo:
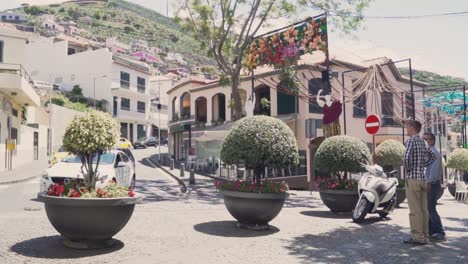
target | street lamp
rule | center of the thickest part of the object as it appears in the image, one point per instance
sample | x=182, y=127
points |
x=96, y=77
x=158, y=99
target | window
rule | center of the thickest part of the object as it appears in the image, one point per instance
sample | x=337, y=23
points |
x=1, y=51
x=141, y=106
x=14, y=134
x=16, y=17
x=141, y=85
x=3, y=17
x=387, y=109
x=360, y=106
x=14, y=112
x=124, y=80
x=125, y=104
x=315, y=85
x=71, y=51
x=286, y=101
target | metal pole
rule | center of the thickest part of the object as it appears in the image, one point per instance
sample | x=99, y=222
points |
x=413, y=110
x=344, y=103
x=403, y=116
x=159, y=120
x=438, y=131
x=50, y=119
x=94, y=100
x=464, y=116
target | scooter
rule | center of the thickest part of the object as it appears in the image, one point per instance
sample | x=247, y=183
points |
x=375, y=191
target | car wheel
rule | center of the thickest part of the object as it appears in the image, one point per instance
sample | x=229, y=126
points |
x=133, y=183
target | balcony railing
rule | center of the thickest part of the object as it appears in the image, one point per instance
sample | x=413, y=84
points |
x=15, y=69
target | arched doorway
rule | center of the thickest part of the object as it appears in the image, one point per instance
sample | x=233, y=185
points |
x=185, y=106
x=219, y=107
x=262, y=96
x=200, y=110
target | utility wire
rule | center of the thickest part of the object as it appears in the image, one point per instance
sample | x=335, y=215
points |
x=411, y=17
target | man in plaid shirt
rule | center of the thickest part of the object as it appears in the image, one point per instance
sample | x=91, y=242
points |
x=417, y=157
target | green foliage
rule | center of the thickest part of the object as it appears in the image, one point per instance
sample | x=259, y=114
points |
x=74, y=13
x=88, y=135
x=265, y=103
x=288, y=79
x=97, y=15
x=58, y=101
x=260, y=141
x=33, y=10
x=458, y=159
x=390, y=153
x=341, y=154
x=434, y=79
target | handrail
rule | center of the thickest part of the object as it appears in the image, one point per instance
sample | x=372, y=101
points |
x=21, y=69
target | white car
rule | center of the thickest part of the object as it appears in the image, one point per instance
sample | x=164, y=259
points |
x=113, y=164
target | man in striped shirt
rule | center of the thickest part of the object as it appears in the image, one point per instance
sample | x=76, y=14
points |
x=417, y=157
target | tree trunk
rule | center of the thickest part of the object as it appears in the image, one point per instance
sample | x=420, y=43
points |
x=258, y=174
x=235, y=80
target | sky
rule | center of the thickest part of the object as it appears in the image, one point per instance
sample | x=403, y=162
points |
x=438, y=44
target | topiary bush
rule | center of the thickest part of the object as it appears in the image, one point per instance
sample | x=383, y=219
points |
x=258, y=142
x=458, y=159
x=390, y=153
x=88, y=137
x=340, y=154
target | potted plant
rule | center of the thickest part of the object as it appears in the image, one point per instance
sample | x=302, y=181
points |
x=257, y=142
x=390, y=154
x=457, y=160
x=88, y=217
x=338, y=156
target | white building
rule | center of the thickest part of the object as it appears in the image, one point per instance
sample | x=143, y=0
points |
x=123, y=83
x=159, y=85
x=17, y=102
x=12, y=17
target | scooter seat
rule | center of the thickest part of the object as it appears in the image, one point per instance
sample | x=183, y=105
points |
x=384, y=186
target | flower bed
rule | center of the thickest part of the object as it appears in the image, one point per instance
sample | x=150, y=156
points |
x=250, y=186
x=335, y=184
x=77, y=189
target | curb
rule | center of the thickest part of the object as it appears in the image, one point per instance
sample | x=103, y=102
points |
x=179, y=180
x=19, y=181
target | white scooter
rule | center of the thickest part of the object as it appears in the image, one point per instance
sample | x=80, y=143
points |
x=375, y=190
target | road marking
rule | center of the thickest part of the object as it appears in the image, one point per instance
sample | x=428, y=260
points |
x=374, y=124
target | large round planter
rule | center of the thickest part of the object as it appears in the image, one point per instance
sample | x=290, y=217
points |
x=339, y=200
x=254, y=210
x=401, y=195
x=88, y=223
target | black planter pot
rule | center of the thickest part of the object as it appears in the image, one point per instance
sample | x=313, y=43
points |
x=254, y=210
x=401, y=195
x=339, y=200
x=452, y=189
x=88, y=223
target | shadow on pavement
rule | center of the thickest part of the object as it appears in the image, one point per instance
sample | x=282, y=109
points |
x=165, y=191
x=327, y=214
x=51, y=247
x=378, y=243
x=229, y=229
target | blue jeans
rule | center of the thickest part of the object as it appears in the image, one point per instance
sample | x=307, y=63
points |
x=435, y=225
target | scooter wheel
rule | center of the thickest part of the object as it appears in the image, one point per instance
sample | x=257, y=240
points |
x=361, y=210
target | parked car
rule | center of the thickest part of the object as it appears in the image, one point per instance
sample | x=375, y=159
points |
x=129, y=154
x=113, y=165
x=124, y=143
x=144, y=142
x=163, y=141
x=59, y=155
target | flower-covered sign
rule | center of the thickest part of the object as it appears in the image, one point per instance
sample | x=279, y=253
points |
x=284, y=48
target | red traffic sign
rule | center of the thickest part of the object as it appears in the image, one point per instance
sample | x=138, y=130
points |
x=372, y=124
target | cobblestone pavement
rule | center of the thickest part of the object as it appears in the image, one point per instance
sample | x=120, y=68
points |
x=171, y=227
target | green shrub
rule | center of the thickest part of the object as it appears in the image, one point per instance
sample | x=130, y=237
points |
x=58, y=101
x=258, y=142
x=390, y=153
x=90, y=135
x=340, y=154
x=458, y=159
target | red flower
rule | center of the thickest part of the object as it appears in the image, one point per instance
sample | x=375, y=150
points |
x=74, y=193
x=131, y=194
x=56, y=190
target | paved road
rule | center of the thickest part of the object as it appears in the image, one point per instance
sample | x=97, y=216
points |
x=171, y=227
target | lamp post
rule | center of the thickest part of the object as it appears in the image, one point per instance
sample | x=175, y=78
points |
x=94, y=88
x=158, y=99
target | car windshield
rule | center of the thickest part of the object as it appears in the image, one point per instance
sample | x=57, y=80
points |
x=106, y=158
x=142, y=139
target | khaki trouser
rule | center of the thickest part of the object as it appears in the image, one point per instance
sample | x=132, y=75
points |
x=416, y=193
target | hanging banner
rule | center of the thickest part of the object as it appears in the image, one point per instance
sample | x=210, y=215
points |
x=284, y=48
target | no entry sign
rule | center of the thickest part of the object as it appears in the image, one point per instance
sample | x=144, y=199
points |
x=372, y=124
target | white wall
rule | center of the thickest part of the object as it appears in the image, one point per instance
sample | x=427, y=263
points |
x=61, y=118
x=14, y=43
